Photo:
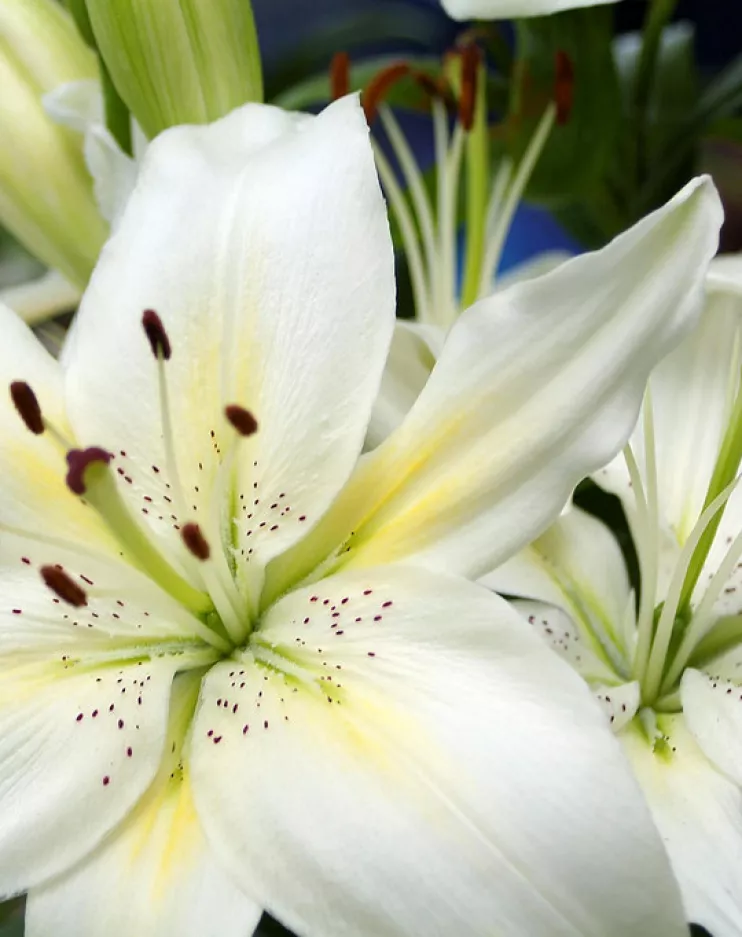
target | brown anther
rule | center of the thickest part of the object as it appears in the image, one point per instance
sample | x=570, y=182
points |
x=471, y=59
x=339, y=75
x=194, y=539
x=241, y=419
x=564, y=86
x=63, y=586
x=156, y=335
x=27, y=405
x=78, y=462
x=379, y=86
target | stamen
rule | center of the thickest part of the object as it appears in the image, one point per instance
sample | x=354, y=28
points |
x=379, y=87
x=63, y=586
x=564, y=87
x=195, y=541
x=471, y=59
x=79, y=461
x=241, y=419
x=156, y=334
x=27, y=405
x=339, y=75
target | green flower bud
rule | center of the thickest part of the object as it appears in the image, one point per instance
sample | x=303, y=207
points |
x=46, y=193
x=178, y=61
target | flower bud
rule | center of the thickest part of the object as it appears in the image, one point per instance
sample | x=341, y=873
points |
x=46, y=194
x=178, y=61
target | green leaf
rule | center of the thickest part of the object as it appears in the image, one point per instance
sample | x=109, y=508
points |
x=11, y=917
x=577, y=152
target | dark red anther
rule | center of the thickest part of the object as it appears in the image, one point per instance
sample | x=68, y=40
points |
x=27, y=405
x=241, y=419
x=339, y=75
x=471, y=58
x=564, y=87
x=195, y=541
x=379, y=86
x=78, y=462
x=156, y=335
x=63, y=586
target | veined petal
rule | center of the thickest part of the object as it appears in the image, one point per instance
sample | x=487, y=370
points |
x=414, y=350
x=78, y=746
x=263, y=244
x=691, y=394
x=155, y=875
x=417, y=718
x=535, y=387
x=699, y=814
x=508, y=9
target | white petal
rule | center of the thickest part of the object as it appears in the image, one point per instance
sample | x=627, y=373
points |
x=414, y=350
x=559, y=631
x=699, y=814
x=691, y=394
x=76, y=104
x=577, y=565
x=41, y=299
x=713, y=713
x=620, y=703
x=535, y=266
x=535, y=387
x=262, y=241
x=418, y=721
x=78, y=747
x=725, y=274
x=508, y=9
x=34, y=496
x=155, y=876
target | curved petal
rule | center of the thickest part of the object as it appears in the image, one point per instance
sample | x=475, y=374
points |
x=535, y=387
x=699, y=815
x=41, y=299
x=78, y=746
x=262, y=242
x=725, y=274
x=712, y=706
x=155, y=875
x=691, y=394
x=508, y=9
x=414, y=350
x=417, y=718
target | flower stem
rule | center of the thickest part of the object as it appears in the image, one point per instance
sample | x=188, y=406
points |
x=477, y=169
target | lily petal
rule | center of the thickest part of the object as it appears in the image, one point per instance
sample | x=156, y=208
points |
x=78, y=747
x=712, y=705
x=535, y=387
x=414, y=350
x=509, y=9
x=699, y=814
x=417, y=718
x=262, y=242
x=40, y=299
x=156, y=874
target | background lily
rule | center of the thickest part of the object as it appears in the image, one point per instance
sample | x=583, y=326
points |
x=668, y=667
x=46, y=197
x=508, y=9
x=215, y=698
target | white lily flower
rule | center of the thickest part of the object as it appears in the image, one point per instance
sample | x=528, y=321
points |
x=220, y=699
x=512, y=9
x=668, y=669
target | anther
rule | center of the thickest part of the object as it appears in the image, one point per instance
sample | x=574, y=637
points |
x=339, y=75
x=471, y=58
x=63, y=586
x=241, y=419
x=156, y=334
x=564, y=86
x=27, y=405
x=195, y=541
x=79, y=461
x=379, y=87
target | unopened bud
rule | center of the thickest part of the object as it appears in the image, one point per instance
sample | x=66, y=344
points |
x=46, y=193
x=179, y=61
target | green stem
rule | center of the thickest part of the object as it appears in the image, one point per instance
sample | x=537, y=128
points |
x=79, y=12
x=477, y=173
x=118, y=119
x=658, y=15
